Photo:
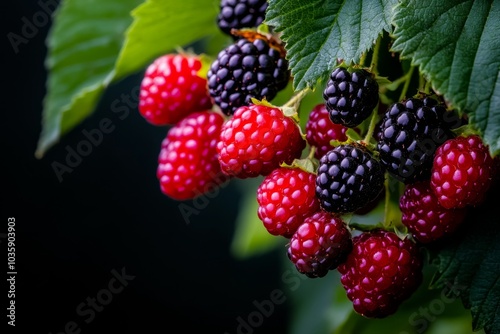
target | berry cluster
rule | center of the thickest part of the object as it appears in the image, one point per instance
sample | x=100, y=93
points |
x=205, y=145
x=416, y=143
x=309, y=207
x=223, y=126
x=444, y=168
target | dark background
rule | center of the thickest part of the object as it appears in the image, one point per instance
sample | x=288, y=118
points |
x=109, y=214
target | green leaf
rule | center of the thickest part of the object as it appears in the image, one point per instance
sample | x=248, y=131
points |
x=319, y=32
x=83, y=44
x=456, y=46
x=251, y=237
x=470, y=262
x=160, y=26
x=95, y=43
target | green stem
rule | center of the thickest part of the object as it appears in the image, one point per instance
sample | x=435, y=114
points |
x=387, y=200
x=371, y=127
x=399, y=80
x=421, y=83
x=312, y=151
x=365, y=227
x=427, y=88
x=407, y=83
x=362, y=59
x=296, y=99
x=374, y=61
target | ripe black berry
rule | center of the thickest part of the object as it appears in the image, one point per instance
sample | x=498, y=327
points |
x=246, y=69
x=350, y=97
x=410, y=132
x=348, y=177
x=238, y=14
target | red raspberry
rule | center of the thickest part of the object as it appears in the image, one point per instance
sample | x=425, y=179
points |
x=256, y=140
x=320, y=130
x=462, y=172
x=320, y=244
x=381, y=272
x=188, y=164
x=424, y=217
x=285, y=198
x=171, y=89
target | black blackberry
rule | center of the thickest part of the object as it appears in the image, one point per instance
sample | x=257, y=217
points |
x=409, y=134
x=245, y=69
x=350, y=97
x=348, y=178
x=238, y=14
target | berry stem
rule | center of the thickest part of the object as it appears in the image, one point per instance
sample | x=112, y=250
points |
x=407, y=83
x=424, y=85
x=395, y=84
x=371, y=127
x=312, y=151
x=374, y=61
x=295, y=100
x=387, y=199
x=373, y=69
x=392, y=212
x=366, y=227
x=421, y=82
x=362, y=59
x=427, y=87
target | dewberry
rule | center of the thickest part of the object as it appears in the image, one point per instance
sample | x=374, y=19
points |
x=285, y=198
x=238, y=14
x=424, y=217
x=172, y=89
x=321, y=131
x=348, y=177
x=320, y=244
x=381, y=272
x=462, y=172
x=244, y=70
x=187, y=163
x=410, y=133
x=350, y=96
x=256, y=140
